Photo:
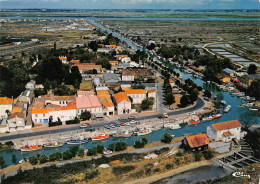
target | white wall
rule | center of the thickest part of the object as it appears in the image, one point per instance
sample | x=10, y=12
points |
x=64, y=115
x=128, y=78
x=124, y=105
x=137, y=97
x=92, y=110
x=3, y=108
x=218, y=135
x=40, y=118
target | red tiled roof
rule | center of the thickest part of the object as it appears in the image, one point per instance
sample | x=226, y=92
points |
x=226, y=125
x=121, y=96
x=18, y=114
x=134, y=91
x=197, y=140
x=5, y=101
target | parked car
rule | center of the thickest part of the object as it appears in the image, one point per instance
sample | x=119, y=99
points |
x=117, y=125
x=127, y=124
x=107, y=126
x=122, y=124
x=131, y=117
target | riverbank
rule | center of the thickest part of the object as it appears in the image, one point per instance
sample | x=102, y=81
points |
x=158, y=177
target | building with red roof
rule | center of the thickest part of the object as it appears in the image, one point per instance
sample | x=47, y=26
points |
x=225, y=131
x=137, y=95
x=123, y=103
x=196, y=142
x=88, y=103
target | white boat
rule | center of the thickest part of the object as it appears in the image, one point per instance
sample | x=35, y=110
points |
x=253, y=109
x=175, y=126
x=227, y=109
x=155, y=128
x=172, y=136
x=223, y=102
x=144, y=131
x=209, y=118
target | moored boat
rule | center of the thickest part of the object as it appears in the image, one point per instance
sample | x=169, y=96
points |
x=209, y=118
x=217, y=116
x=227, y=109
x=27, y=148
x=126, y=134
x=144, y=131
x=80, y=140
x=54, y=144
x=223, y=102
x=100, y=137
x=194, y=122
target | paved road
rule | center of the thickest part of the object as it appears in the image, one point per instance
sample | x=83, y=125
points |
x=200, y=103
x=145, y=150
x=160, y=106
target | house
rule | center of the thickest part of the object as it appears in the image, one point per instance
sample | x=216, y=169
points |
x=125, y=59
x=3, y=126
x=137, y=95
x=85, y=93
x=30, y=85
x=34, y=40
x=133, y=64
x=152, y=93
x=61, y=101
x=63, y=59
x=138, y=74
x=123, y=103
x=88, y=66
x=229, y=72
x=171, y=82
x=107, y=104
x=40, y=117
x=6, y=105
x=225, y=131
x=97, y=81
x=119, y=57
x=88, y=103
x=103, y=50
x=16, y=121
x=197, y=142
x=113, y=63
x=26, y=96
x=110, y=78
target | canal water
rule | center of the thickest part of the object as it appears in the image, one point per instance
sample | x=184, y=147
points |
x=234, y=113
x=197, y=175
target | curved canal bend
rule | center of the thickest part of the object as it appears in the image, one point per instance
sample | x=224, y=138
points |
x=156, y=135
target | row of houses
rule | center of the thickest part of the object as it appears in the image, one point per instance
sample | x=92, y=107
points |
x=221, y=132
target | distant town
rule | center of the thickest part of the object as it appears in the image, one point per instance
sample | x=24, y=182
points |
x=148, y=98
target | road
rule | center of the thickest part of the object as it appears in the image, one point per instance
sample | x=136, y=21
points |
x=160, y=102
x=138, y=151
x=199, y=104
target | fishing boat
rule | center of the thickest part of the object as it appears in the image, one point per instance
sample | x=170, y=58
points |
x=193, y=122
x=217, y=116
x=80, y=140
x=209, y=118
x=144, y=131
x=227, y=109
x=175, y=126
x=154, y=128
x=27, y=148
x=54, y=144
x=100, y=137
x=253, y=109
x=172, y=135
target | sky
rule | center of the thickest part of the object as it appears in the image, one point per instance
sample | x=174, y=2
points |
x=132, y=4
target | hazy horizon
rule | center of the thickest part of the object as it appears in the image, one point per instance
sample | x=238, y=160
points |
x=130, y=4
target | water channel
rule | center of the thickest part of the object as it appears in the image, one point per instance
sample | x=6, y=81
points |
x=156, y=135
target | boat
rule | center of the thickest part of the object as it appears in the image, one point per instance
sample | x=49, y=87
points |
x=209, y=118
x=172, y=135
x=27, y=148
x=223, y=102
x=126, y=134
x=100, y=137
x=253, y=109
x=80, y=140
x=144, y=131
x=193, y=122
x=54, y=144
x=155, y=128
x=227, y=109
x=217, y=116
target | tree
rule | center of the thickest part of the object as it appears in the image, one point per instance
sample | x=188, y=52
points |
x=86, y=115
x=151, y=46
x=193, y=95
x=55, y=156
x=144, y=140
x=43, y=159
x=139, y=144
x=33, y=160
x=207, y=93
x=81, y=153
x=111, y=147
x=100, y=149
x=169, y=98
x=120, y=146
x=147, y=103
x=167, y=138
x=93, y=45
x=184, y=101
x=197, y=156
x=2, y=161
x=252, y=69
x=14, y=159
x=67, y=155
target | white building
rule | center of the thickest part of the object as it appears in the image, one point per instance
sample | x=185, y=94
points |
x=152, y=93
x=6, y=105
x=88, y=103
x=126, y=60
x=225, y=131
x=123, y=103
x=137, y=95
x=16, y=121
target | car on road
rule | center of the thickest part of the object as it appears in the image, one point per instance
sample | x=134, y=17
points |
x=84, y=125
x=205, y=108
x=117, y=125
x=112, y=126
x=122, y=124
x=127, y=124
x=131, y=117
x=107, y=126
x=122, y=119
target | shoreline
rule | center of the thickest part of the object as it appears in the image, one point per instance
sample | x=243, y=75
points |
x=173, y=172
